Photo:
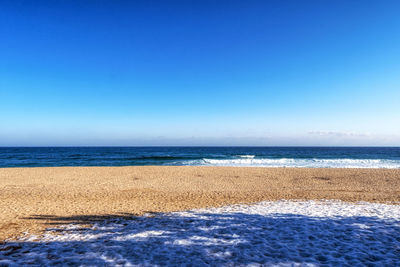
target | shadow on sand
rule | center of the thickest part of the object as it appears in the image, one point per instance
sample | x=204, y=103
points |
x=212, y=238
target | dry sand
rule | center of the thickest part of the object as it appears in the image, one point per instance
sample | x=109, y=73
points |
x=32, y=199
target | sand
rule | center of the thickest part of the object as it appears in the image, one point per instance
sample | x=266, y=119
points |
x=32, y=199
x=269, y=233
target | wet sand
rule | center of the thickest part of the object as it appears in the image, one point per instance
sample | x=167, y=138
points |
x=32, y=199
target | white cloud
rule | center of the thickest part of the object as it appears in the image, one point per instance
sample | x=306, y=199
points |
x=338, y=134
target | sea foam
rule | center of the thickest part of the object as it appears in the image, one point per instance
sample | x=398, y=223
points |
x=298, y=163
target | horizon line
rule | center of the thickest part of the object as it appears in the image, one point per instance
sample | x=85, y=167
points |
x=136, y=146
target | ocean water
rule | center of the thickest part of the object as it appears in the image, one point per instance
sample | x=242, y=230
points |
x=314, y=157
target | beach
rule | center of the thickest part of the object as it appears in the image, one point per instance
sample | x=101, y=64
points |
x=33, y=199
x=269, y=233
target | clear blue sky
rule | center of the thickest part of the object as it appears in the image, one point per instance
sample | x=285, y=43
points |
x=199, y=73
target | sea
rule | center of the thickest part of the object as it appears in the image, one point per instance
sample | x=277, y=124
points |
x=300, y=157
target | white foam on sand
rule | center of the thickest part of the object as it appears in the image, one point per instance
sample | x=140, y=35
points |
x=280, y=233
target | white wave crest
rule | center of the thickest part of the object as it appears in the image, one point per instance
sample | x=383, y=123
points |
x=299, y=163
x=246, y=156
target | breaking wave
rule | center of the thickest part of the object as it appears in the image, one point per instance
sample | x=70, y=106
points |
x=299, y=163
x=246, y=156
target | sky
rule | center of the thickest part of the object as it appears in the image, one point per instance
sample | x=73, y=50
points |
x=263, y=73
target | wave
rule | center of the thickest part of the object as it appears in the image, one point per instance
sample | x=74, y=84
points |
x=299, y=163
x=246, y=156
x=156, y=158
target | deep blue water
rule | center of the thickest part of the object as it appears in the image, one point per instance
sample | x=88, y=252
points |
x=364, y=157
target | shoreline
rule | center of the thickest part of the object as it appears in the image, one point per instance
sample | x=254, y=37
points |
x=36, y=198
x=200, y=166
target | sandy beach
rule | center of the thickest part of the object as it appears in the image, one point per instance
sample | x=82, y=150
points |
x=32, y=199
